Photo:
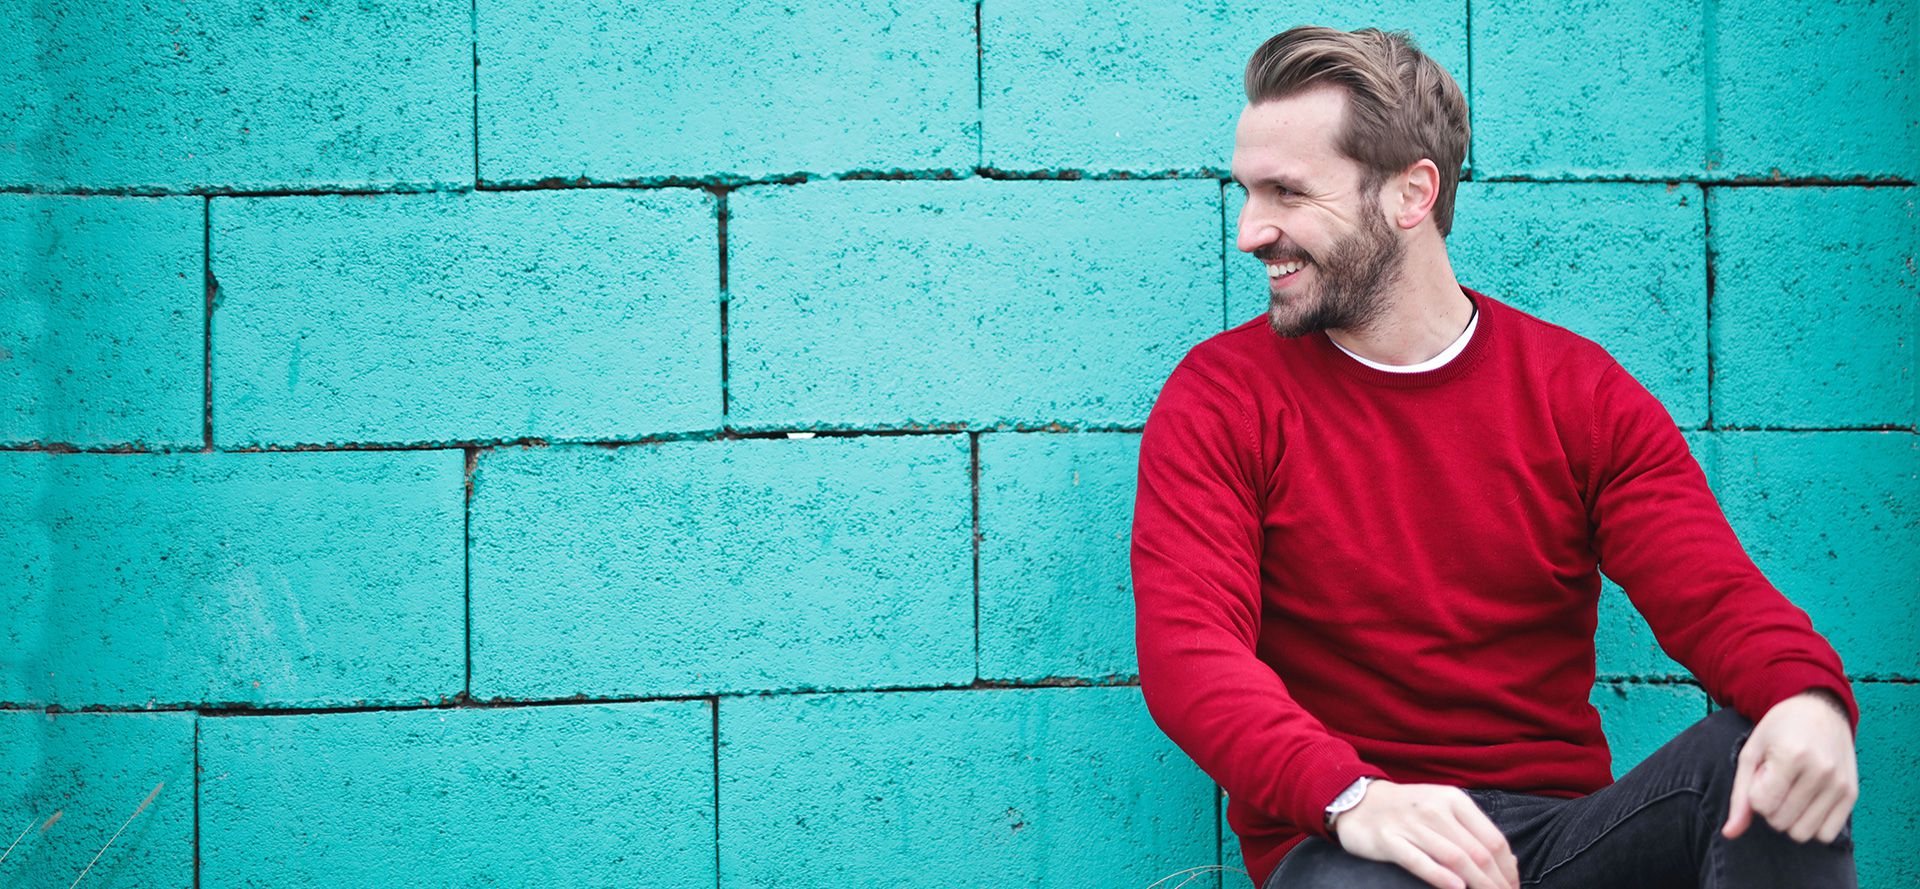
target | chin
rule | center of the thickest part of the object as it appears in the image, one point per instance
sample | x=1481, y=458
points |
x=1289, y=326
x=1289, y=321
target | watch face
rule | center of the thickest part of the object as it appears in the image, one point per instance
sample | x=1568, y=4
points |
x=1349, y=797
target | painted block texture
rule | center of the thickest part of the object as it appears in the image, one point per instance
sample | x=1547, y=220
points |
x=103, y=300
x=1056, y=590
x=1640, y=718
x=1147, y=86
x=298, y=579
x=1618, y=263
x=1624, y=646
x=1833, y=518
x=235, y=96
x=998, y=787
x=1816, y=310
x=1811, y=88
x=27, y=600
x=69, y=781
x=623, y=89
x=592, y=795
x=734, y=565
x=1567, y=90
x=456, y=317
x=1886, y=820
x=891, y=304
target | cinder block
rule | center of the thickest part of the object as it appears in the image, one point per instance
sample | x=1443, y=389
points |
x=881, y=303
x=587, y=795
x=1142, y=86
x=179, y=96
x=630, y=89
x=1639, y=718
x=1886, y=820
x=1815, y=89
x=276, y=579
x=27, y=598
x=440, y=317
x=723, y=566
x=1833, y=518
x=73, y=779
x=1619, y=263
x=995, y=787
x=1056, y=590
x=1816, y=310
x=1574, y=90
x=105, y=307
x=1624, y=647
x=1233, y=865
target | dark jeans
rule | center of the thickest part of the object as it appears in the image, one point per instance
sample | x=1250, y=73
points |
x=1658, y=826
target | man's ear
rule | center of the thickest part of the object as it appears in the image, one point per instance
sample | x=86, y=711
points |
x=1419, y=187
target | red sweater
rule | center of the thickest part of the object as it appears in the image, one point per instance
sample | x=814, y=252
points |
x=1342, y=571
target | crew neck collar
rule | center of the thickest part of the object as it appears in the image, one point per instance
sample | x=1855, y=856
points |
x=1479, y=332
x=1451, y=352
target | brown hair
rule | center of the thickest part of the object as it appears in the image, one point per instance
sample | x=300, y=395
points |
x=1401, y=105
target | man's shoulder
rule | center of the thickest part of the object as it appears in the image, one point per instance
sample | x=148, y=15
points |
x=1551, y=348
x=1240, y=356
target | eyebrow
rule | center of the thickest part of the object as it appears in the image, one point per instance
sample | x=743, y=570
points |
x=1286, y=182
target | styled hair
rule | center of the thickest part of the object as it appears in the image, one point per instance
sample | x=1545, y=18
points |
x=1401, y=105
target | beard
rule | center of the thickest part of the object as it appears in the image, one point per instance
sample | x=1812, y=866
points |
x=1350, y=284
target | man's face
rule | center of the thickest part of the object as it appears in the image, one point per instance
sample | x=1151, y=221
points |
x=1310, y=217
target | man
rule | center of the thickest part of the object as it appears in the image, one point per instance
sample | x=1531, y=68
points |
x=1367, y=538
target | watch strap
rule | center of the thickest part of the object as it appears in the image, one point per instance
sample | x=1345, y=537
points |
x=1347, y=799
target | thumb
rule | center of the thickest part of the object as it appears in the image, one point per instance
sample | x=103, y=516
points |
x=1740, y=807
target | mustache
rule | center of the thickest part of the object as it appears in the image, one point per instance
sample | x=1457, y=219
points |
x=1276, y=253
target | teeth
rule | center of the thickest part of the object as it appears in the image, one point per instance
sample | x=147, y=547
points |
x=1285, y=268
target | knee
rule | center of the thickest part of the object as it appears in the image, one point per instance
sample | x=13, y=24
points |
x=1715, y=742
x=1727, y=727
x=1319, y=864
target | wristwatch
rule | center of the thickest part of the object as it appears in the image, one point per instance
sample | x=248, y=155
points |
x=1347, y=799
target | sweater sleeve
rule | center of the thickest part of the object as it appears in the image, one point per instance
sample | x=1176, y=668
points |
x=1196, y=585
x=1662, y=536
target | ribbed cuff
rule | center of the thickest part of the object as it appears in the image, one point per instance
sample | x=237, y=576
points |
x=1786, y=680
x=1316, y=791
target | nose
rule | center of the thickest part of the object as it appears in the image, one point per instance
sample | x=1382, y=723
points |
x=1255, y=230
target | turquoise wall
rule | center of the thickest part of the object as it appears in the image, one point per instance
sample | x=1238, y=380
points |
x=689, y=444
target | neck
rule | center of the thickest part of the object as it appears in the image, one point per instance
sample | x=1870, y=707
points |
x=1426, y=311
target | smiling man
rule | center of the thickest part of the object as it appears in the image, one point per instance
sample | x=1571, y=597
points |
x=1367, y=541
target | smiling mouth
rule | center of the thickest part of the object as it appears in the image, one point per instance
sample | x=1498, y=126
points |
x=1283, y=273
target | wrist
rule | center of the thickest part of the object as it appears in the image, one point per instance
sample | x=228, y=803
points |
x=1348, y=799
x=1831, y=699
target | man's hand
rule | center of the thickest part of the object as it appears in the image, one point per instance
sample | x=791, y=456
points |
x=1433, y=831
x=1797, y=770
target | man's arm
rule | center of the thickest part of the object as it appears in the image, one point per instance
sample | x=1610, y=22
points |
x=1196, y=585
x=1662, y=536
x=1196, y=579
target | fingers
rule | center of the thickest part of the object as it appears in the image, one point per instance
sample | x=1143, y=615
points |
x=1814, y=802
x=1433, y=832
x=1403, y=852
x=1481, y=827
x=1821, y=784
x=1798, y=792
x=1837, y=818
x=1740, y=807
x=1456, y=850
x=1808, y=821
